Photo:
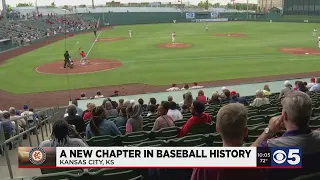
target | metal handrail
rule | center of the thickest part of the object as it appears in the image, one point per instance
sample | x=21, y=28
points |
x=51, y=117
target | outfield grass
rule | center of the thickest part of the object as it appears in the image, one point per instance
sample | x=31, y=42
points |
x=210, y=58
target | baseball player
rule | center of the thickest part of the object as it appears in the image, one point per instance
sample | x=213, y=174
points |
x=319, y=41
x=83, y=59
x=130, y=33
x=315, y=30
x=173, y=38
x=207, y=27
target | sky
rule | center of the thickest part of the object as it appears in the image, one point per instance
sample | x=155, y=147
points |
x=88, y=2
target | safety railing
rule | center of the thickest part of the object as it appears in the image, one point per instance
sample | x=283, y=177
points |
x=43, y=124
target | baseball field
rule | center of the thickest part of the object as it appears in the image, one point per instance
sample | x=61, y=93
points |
x=230, y=50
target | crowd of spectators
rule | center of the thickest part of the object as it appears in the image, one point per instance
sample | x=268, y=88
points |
x=231, y=123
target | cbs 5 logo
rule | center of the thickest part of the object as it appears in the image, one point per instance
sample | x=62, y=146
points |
x=292, y=158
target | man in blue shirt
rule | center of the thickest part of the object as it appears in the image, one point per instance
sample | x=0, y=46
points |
x=316, y=87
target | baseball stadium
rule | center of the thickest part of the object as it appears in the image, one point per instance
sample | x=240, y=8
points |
x=159, y=74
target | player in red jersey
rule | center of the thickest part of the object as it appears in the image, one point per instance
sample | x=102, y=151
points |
x=83, y=59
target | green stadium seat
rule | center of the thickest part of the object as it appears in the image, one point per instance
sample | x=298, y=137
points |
x=154, y=143
x=104, y=140
x=313, y=176
x=135, y=138
x=137, y=178
x=122, y=129
x=256, y=120
x=60, y=176
x=166, y=133
x=121, y=175
x=67, y=170
x=316, y=111
x=148, y=127
x=180, y=123
x=197, y=140
x=203, y=129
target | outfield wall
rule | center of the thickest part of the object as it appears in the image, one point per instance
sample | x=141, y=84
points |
x=301, y=7
x=128, y=18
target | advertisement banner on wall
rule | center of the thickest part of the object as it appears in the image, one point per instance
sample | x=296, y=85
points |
x=190, y=15
x=212, y=20
x=214, y=15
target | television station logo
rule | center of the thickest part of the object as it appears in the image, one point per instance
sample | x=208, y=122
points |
x=37, y=156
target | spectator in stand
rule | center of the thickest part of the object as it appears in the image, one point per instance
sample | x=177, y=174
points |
x=87, y=115
x=185, y=87
x=83, y=96
x=79, y=110
x=120, y=104
x=185, y=109
x=29, y=116
x=296, y=85
x=170, y=98
x=122, y=119
x=163, y=119
x=173, y=88
x=266, y=90
x=74, y=119
x=312, y=82
x=236, y=99
x=201, y=98
x=141, y=102
x=286, y=90
x=99, y=126
x=198, y=117
x=195, y=86
x=295, y=118
x=21, y=122
x=188, y=100
x=316, y=87
x=223, y=89
x=60, y=136
x=214, y=98
x=152, y=109
x=135, y=121
x=232, y=127
x=110, y=112
x=99, y=95
x=302, y=87
x=8, y=126
x=259, y=100
x=173, y=112
x=225, y=97
x=182, y=102
x=153, y=101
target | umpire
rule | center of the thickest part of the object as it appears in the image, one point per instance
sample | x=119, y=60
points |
x=66, y=59
x=95, y=33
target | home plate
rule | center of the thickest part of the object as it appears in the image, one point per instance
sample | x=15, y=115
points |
x=306, y=53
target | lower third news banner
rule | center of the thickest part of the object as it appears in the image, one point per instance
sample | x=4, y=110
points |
x=159, y=157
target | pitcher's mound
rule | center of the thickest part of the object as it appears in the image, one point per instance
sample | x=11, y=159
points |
x=175, y=45
x=301, y=51
x=96, y=65
x=231, y=35
x=111, y=39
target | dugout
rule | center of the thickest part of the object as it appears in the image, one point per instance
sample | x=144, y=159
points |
x=301, y=7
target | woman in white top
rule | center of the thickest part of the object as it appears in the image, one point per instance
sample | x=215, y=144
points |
x=173, y=112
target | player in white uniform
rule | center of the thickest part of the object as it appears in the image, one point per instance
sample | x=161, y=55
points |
x=319, y=41
x=207, y=27
x=173, y=38
x=315, y=31
x=130, y=33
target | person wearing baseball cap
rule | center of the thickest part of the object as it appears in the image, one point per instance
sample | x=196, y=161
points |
x=311, y=83
x=236, y=99
x=286, y=90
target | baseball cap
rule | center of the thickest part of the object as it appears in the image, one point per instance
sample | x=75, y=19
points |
x=232, y=93
x=223, y=88
x=313, y=79
x=287, y=83
x=25, y=106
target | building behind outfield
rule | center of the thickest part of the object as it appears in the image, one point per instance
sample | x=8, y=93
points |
x=301, y=7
